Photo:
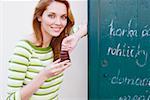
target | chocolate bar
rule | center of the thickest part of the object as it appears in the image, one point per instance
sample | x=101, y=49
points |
x=64, y=55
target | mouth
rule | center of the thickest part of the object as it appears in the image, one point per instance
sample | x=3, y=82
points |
x=56, y=29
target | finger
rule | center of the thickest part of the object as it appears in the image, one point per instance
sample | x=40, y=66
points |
x=57, y=61
x=64, y=48
x=67, y=65
x=67, y=39
x=61, y=69
x=64, y=44
x=64, y=62
x=61, y=64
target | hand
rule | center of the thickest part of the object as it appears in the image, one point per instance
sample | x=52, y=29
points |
x=70, y=42
x=55, y=68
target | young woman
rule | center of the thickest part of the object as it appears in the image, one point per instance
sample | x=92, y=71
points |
x=35, y=68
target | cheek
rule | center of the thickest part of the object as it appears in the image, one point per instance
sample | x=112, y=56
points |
x=64, y=23
x=46, y=20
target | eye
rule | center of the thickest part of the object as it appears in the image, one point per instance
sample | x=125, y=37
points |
x=51, y=16
x=64, y=17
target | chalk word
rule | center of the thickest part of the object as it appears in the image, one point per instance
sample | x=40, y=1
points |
x=146, y=31
x=124, y=80
x=122, y=32
x=140, y=55
x=135, y=97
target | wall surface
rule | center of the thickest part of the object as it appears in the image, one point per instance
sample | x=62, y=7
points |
x=16, y=23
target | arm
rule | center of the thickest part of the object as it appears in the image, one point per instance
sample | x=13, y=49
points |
x=27, y=91
x=82, y=31
x=57, y=67
x=17, y=70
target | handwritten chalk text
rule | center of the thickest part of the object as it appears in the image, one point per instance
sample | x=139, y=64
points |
x=123, y=50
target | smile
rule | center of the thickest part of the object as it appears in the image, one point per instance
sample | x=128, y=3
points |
x=56, y=29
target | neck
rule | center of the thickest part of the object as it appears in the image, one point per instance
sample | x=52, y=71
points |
x=46, y=38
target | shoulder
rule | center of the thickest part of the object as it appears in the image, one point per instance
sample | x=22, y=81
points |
x=25, y=43
x=32, y=39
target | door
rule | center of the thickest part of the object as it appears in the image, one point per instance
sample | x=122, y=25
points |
x=119, y=49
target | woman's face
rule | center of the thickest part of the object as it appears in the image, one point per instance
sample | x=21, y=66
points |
x=54, y=19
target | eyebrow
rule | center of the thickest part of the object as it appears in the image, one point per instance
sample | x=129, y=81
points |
x=55, y=13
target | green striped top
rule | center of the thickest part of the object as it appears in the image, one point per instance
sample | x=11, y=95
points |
x=26, y=62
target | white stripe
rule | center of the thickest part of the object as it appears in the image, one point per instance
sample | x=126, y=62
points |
x=17, y=67
x=13, y=74
x=36, y=68
x=43, y=56
x=43, y=97
x=35, y=61
x=31, y=74
x=24, y=44
x=48, y=90
x=14, y=82
x=19, y=58
x=21, y=50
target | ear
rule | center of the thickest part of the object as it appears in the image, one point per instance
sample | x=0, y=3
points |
x=39, y=18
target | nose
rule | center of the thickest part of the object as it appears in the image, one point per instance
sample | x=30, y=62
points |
x=58, y=21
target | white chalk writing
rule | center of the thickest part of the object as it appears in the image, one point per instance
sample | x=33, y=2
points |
x=129, y=31
x=125, y=80
x=122, y=32
x=135, y=97
x=124, y=50
x=146, y=31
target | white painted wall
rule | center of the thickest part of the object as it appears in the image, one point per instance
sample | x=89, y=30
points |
x=16, y=22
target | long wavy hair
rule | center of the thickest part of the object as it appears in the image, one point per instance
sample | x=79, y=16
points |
x=56, y=41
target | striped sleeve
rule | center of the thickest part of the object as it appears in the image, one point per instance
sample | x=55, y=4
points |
x=17, y=68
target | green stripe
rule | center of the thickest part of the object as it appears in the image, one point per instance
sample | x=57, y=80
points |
x=47, y=93
x=54, y=97
x=45, y=87
x=14, y=96
x=24, y=48
x=15, y=78
x=32, y=70
x=16, y=62
x=52, y=78
x=42, y=52
x=14, y=86
x=22, y=55
x=28, y=77
x=8, y=98
x=38, y=48
x=34, y=57
x=14, y=70
x=46, y=58
x=34, y=64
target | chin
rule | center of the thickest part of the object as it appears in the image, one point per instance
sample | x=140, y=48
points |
x=56, y=34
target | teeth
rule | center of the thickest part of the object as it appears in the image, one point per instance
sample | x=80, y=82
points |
x=56, y=29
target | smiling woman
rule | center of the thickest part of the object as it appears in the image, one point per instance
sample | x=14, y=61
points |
x=35, y=69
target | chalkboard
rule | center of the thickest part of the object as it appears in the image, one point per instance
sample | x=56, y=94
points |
x=119, y=49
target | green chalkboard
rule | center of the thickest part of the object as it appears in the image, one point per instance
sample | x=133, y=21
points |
x=119, y=49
